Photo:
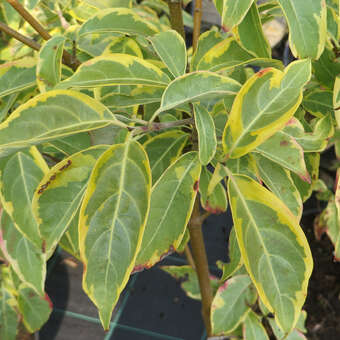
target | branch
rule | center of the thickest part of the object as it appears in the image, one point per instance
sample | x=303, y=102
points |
x=197, y=23
x=18, y=36
x=176, y=17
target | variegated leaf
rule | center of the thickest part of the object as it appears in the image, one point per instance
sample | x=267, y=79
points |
x=253, y=328
x=112, y=221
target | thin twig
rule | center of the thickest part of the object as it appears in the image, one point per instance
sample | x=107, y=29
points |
x=18, y=36
x=197, y=23
x=188, y=255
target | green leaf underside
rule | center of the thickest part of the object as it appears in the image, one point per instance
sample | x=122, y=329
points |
x=279, y=181
x=163, y=150
x=57, y=205
x=116, y=69
x=121, y=20
x=231, y=304
x=273, y=247
x=19, y=176
x=172, y=200
x=52, y=115
x=112, y=221
x=195, y=87
x=175, y=58
x=262, y=107
x=207, y=142
x=307, y=26
x=28, y=261
x=35, y=309
x=49, y=63
x=16, y=76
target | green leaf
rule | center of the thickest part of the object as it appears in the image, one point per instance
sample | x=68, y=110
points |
x=279, y=181
x=52, y=115
x=253, y=328
x=318, y=102
x=280, y=335
x=285, y=151
x=28, y=261
x=172, y=200
x=207, y=142
x=329, y=222
x=34, y=308
x=307, y=26
x=16, y=76
x=124, y=45
x=227, y=54
x=232, y=11
x=120, y=20
x=216, y=201
x=234, y=254
x=163, y=150
x=112, y=221
x=264, y=104
x=189, y=281
x=58, y=196
x=175, y=58
x=336, y=100
x=231, y=304
x=245, y=165
x=315, y=141
x=116, y=69
x=49, y=63
x=9, y=319
x=250, y=35
x=20, y=174
x=312, y=161
x=184, y=89
x=273, y=247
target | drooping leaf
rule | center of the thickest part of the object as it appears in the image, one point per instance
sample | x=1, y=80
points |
x=121, y=20
x=231, y=304
x=228, y=54
x=16, y=76
x=279, y=334
x=34, y=308
x=232, y=12
x=112, y=221
x=28, y=261
x=189, y=281
x=58, y=196
x=172, y=201
x=285, y=151
x=20, y=174
x=234, y=254
x=253, y=328
x=318, y=102
x=250, y=35
x=307, y=26
x=52, y=115
x=262, y=107
x=116, y=69
x=49, y=63
x=315, y=141
x=279, y=181
x=163, y=150
x=215, y=201
x=273, y=247
x=207, y=142
x=175, y=58
x=195, y=87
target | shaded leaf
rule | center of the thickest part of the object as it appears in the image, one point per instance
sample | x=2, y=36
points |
x=172, y=201
x=253, y=328
x=318, y=102
x=231, y=304
x=112, y=221
x=264, y=104
x=273, y=247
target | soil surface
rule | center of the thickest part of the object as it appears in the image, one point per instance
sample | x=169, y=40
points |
x=323, y=299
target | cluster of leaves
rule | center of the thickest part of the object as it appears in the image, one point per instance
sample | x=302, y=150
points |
x=107, y=161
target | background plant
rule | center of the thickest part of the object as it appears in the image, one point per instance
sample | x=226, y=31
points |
x=106, y=137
